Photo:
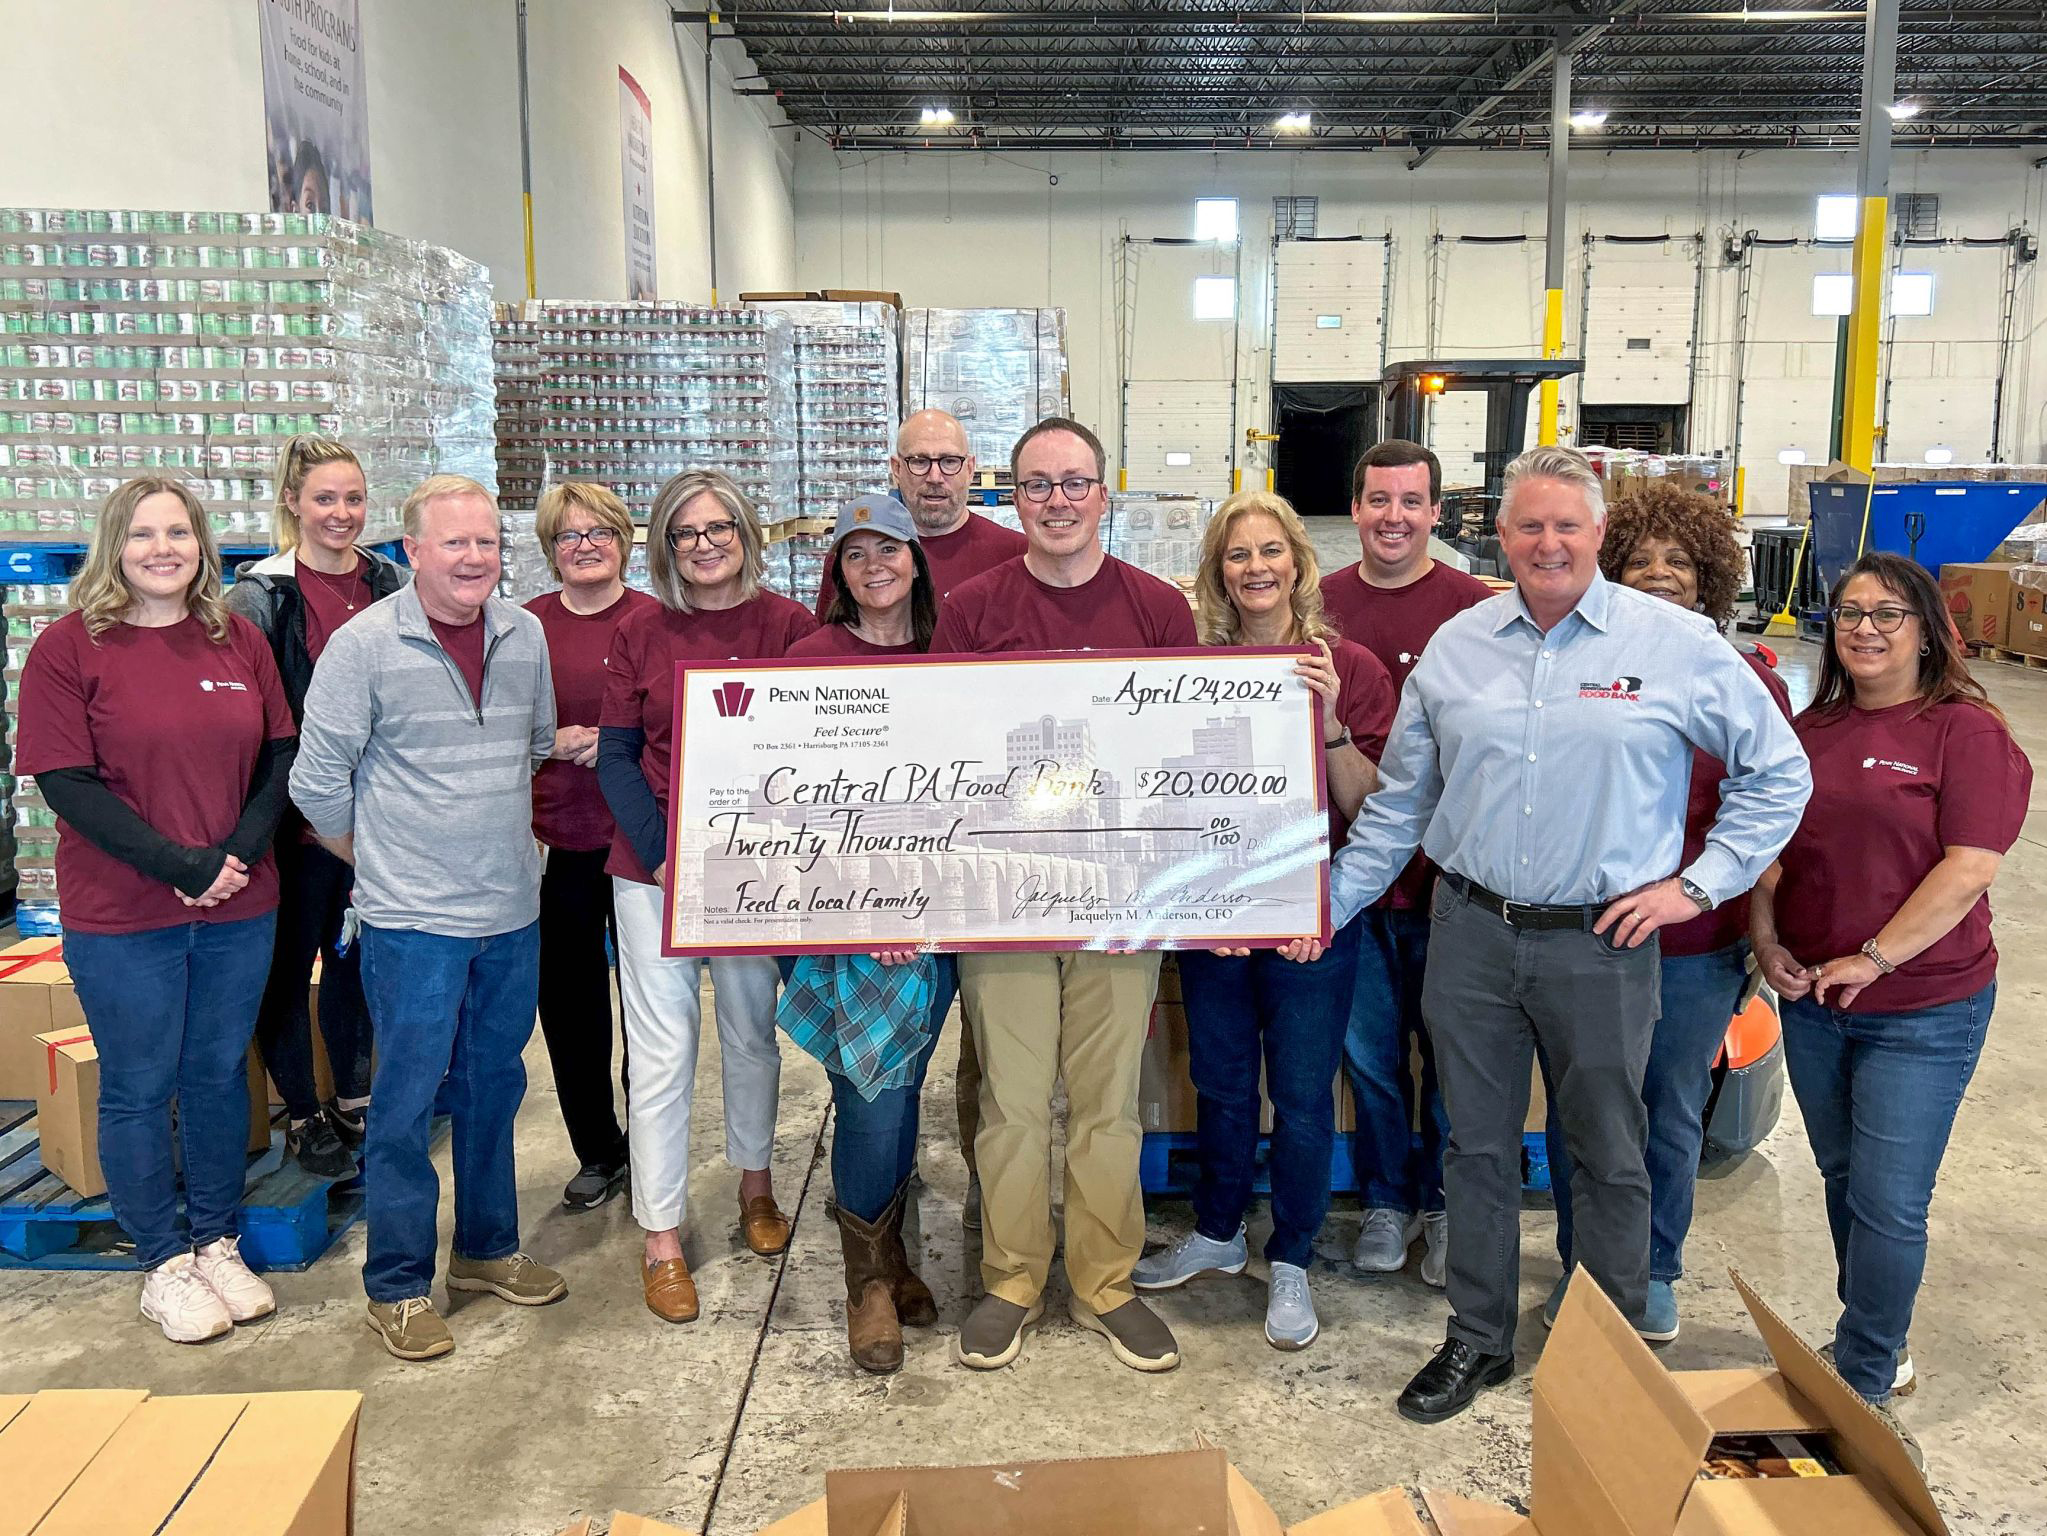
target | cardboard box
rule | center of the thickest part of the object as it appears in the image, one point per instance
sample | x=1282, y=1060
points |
x=1165, y=1495
x=128, y=1464
x=35, y=999
x=1619, y=1441
x=2026, y=632
x=1978, y=599
x=259, y=1104
x=68, y=1109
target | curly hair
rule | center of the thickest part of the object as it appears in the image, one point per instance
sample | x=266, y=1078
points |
x=1701, y=526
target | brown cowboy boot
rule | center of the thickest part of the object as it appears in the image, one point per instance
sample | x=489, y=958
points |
x=872, y=1332
x=914, y=1304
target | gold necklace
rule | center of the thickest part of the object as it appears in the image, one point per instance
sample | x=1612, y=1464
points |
x=343, y=591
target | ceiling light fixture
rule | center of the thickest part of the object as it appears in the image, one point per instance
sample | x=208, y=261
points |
x=1292, y=122
x=936, y=117
x=1588, y=117
x=1900, y=110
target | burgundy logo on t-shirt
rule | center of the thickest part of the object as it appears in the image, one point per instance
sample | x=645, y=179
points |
x=732, y=699
x=224, y=685
x=1620, y=688
x=1885, y=762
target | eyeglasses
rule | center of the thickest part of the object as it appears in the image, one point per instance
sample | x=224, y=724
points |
x=1074, y=488
x=599, y=538
x=948, y=463
x=1888, y=620
x=717, y=535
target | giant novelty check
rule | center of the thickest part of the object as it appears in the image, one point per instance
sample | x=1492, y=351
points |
x=1082, y=800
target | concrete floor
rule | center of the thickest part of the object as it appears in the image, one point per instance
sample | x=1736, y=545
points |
x=542, y=1416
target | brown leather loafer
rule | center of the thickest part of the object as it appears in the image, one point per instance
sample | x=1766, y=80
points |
x=671, y=1294
x=766, y=1228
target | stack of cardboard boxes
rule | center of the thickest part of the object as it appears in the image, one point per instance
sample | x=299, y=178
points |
x=1999, y=605
x=47, y=1054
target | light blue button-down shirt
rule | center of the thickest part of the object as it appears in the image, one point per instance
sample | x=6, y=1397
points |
x=1555, y=768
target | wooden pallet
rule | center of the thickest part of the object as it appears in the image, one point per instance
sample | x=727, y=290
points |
x=1170, y=1163
x=2011, y=658
x=287, y=1221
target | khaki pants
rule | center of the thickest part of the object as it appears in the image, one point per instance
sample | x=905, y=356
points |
x=966, y=1090
x=1038, y=1018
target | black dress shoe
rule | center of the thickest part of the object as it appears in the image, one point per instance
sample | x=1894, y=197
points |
x=1444, y=1387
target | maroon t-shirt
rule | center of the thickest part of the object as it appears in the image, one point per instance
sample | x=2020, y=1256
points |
x=1364, y=701
x=839, y=640
x=975, y=546
x=173, y=724
x=331, y=601
x=640, y=691
x=1727, y=923
x=1117, y=608
x=1892, y=790
x=464, y=644
x=1395, y=624
x=568, y=807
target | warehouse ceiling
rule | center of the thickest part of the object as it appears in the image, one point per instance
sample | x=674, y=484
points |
x=1668, y=74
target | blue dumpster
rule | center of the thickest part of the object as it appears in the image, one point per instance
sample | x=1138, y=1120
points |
x=1958, y=521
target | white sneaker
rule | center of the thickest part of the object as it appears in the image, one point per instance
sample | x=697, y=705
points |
x=245, y=1297
x=1383, y=1244
x=176, y=1297
x=1436, y=1257
x=1192, y=1255
x=1290, y=1321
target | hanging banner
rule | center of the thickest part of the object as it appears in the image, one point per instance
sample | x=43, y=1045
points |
x=636, y=172
x=315, y=110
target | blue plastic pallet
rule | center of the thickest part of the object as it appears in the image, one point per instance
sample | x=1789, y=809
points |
x=1168, y=1165
x=288, y=1218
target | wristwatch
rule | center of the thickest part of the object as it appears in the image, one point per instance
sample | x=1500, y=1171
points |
x=1341, y=739
x=1697, y=893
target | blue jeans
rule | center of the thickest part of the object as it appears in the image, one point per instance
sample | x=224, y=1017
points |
x=1699, y=994
x=1385, y=1014
x=1239, y=1010
x=1879, y=1093
x=874, y=1142
x=459, y=1009
x=172, y=1011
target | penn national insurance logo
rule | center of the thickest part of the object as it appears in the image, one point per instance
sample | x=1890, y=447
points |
x=1628, y=688
x=733, y=700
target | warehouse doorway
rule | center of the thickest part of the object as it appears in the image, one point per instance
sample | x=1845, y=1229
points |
x=1323, y=429
x=1644, y=428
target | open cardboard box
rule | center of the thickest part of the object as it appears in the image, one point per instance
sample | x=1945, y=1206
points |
x=1172, y=1494
x=1619, y=1441
x=35, y=999
x=128, y=1464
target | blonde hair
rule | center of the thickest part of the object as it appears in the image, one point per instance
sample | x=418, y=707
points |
x=669, y=501
x=100, y=591
x=434, y=487
x=1555, y=462
x=1214, y=614
x=300, y=455
x=551, y=516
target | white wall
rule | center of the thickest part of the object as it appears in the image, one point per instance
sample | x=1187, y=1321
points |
x=148, y=104
x=956, y=229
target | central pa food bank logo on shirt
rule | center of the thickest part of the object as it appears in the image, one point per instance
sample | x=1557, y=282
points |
x=1619, y=688
x=1885, y=762
x=732, y=699
x=225, y=685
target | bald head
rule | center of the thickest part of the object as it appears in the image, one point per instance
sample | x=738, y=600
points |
x=933, y=468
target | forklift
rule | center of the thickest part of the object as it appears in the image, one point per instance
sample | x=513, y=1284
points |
x=1409, y=391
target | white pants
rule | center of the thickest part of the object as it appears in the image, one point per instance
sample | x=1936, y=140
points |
x=659, y=994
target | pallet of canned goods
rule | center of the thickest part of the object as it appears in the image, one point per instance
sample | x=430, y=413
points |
x=192, y=344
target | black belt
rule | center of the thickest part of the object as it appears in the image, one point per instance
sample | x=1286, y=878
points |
x=1526, y=914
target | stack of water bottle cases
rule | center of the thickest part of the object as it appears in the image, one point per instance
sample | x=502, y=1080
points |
x=193, y=344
